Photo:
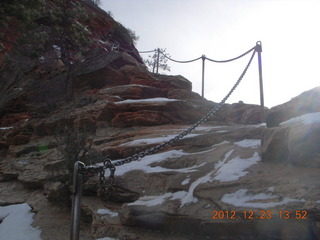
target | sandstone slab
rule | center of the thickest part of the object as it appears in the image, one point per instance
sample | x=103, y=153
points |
x=307, y=102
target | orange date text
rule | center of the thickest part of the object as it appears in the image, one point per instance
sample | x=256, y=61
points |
x=262, y=214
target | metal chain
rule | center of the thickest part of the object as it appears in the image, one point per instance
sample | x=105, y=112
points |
x=204, y=57
x=177, y=61
x=232, y=59
x=159, y=147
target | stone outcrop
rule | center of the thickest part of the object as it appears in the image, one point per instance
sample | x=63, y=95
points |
x=307, y=102
x=241, y=113
x=294, y=141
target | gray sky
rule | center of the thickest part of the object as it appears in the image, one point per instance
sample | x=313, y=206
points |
x=223, y=29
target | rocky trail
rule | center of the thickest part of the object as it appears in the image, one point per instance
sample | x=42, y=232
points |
x=233, y=177
x=211, y=183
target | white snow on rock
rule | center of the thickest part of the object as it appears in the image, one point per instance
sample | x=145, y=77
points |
x=154, y=140
x=107, y=212
x=147, y=100
x=305, y=119
x=144, y=164
x=57, y=48
x=17, y=223
x=261, y=125
x=106, y=238
x=5, y=128
x=150, y=201
x=249, y=143
x=208, y=128
x=242, y=198
x=224, y=171
x=219, y=144
x=235, y=168
x=186, y=181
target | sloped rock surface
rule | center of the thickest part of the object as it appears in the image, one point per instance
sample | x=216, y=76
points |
x=206, y=185
x=241, y=113
x=216, y=170
x=296, y=140
x=307, y=102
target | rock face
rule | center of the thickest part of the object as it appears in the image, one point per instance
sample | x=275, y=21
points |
x=231, y=178
x=296, y=140
x=307, y=102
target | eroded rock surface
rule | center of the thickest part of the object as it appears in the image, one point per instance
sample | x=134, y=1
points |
x=231, y=178
x=188, y=190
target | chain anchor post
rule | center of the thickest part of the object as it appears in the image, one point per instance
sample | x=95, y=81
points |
x=203, y=57
x=76, y=200
x=259, y=50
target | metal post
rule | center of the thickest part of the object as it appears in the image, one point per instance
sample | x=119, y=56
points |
x=259, y=50
x=158, y=59
x=203, y=60
x=76, y=201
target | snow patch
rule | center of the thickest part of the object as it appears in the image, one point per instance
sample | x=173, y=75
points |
x=107, y=212
x=224, y=171
x=271, y=189
x=188, y=198
x=57, y=48
x=150, y=201
x=5, y=128
x=235, y=168
x=242, y=198
x=17, y=223
x=154, y=140
x=144, y=164
x=219, y=144
x=106, y=238
x=207, y=128
x=222, y=131
x=186, y=181
x=305, y=119
x=147, y=100
x=249, y=143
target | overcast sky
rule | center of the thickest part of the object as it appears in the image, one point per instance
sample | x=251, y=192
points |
x=223, y=29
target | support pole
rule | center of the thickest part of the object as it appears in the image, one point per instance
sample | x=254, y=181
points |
x=76, y=201
x=158, y=59
x=259, y=50
x=203, y=61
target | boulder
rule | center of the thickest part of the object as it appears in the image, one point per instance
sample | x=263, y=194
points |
x=275, y=144
x=304, y=145
x=183, y=94
x=140, y=76
x=99, y=69
x=98, y=59
x=175, y=82
x=18, y=136
x=293, y=131
x=298, y=144
x=133, y=92
x=241, y=113
x=139, y=118
x=307, y=102
x=145, y=112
